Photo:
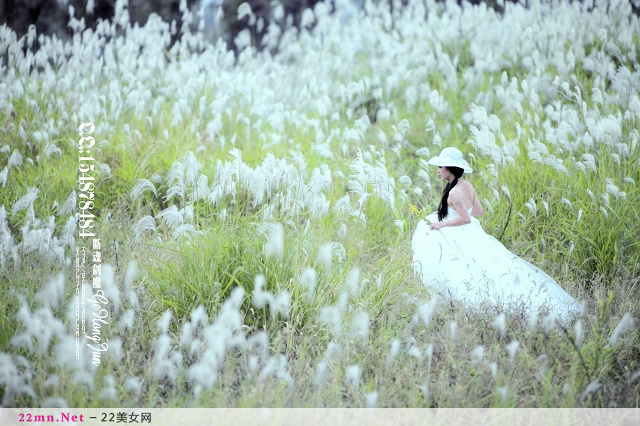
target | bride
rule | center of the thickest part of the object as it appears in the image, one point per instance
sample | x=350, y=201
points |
x=453, y=254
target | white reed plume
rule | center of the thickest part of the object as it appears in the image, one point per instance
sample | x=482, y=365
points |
x=281, y=304
x=141, y=187
x=503, y=392
x=512, y=348
x=53, y=294
x=371, y=399
x=51, y=149
x=423, y=151
x=548, y=322
x=230, y=316
x=133, y=385
x=186, y=230
x=109, y=286
x=612, y=189
x=41, y=241
x=125, y=323
x=4, y=175
x=591, y=387
x=453, y=330
x=360, y=326
x=69, y=204
x=394, y=350
x=199, y=317
x=506, y=192
x=330, y=316
x=499, y=324
x=187, y=334
x=108, y=392
x=362, y=174
x=352, y=375
x=115, y=350
x=129, y=277
x=412, y=348
x=543, y=361
x=325, y=255
x=589, y=160
x=171, y=217
x=333, y=352
x=15, y=160
x=577, y=327
x=260, y=298
x=164, y=321
x=67, y=235
x=308, y=280
x=323, y=149
x=604, y=212
x=352, y=283
x=546, y=207
x=596, y=96
x=625, y=324
x=478, y=116
x=321, y=375
x=41, y=326
x=424, y=388
x=165, y=364
x=429, y=353
x=16, y=377
x=245, y=10
x=277, y=366
x=26, y=202
x=477, y=354
x=426, y=310
x=358, y=178
x=339, y=251
x=343, y=299
x=531, y=205
x=53, y=381
x=204, y=373
x=175, y=181
x=567, y=202
x=493, y=367
x=258, y=348
x=343, y=205
x=275, y=242
x=147, y=223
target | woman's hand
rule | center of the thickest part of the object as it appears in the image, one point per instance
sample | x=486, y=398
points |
x=436, y=225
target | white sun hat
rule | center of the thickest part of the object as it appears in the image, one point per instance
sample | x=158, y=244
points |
x=451, y=157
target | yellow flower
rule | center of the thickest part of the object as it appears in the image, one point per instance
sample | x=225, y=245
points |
x=413, y=209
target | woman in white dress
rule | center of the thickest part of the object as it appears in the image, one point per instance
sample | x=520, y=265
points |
x=453, y=255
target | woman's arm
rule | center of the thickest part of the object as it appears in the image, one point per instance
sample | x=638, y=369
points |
x=476, y=209
x=455, y=201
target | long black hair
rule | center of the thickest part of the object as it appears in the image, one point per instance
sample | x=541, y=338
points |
x=443, y=208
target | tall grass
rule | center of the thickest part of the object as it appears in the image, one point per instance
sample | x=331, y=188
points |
x=254, y=211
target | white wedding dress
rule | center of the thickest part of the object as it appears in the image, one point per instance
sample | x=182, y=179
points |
x=467, y=265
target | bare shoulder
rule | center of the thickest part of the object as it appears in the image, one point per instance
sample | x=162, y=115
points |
x=470, y=189
x=464, y=188
x=456, y=197
x=456, y=192
x=463, y=192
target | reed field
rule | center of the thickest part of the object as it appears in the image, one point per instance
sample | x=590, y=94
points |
x=244, y=218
